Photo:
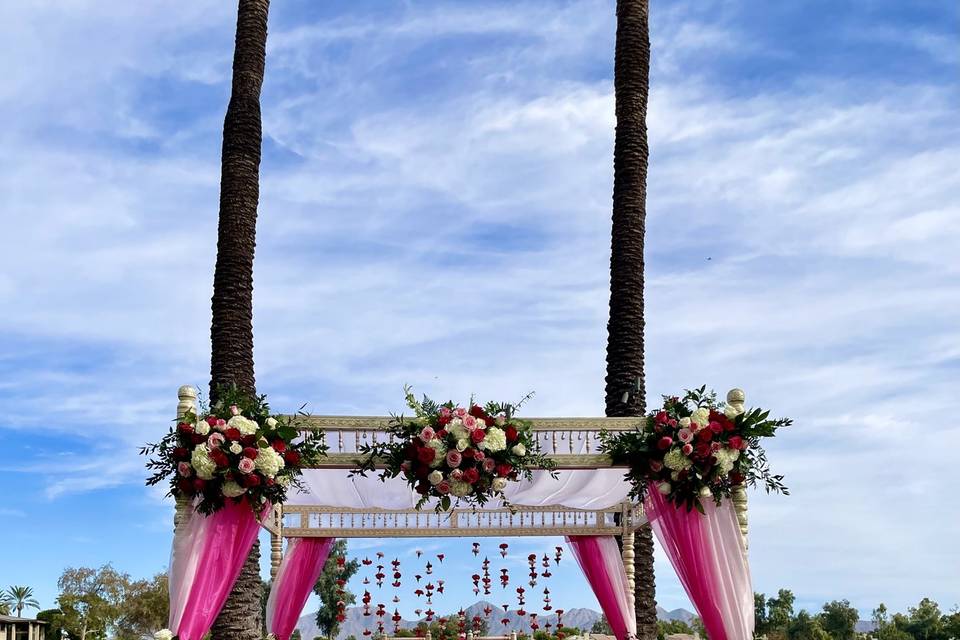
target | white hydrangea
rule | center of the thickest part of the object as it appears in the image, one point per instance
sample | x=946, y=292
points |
x=664, y=487
x=232, y=490
x=272, y=422
x=236, y=447
x=435, y=477
x=201, y=462
x=460, y=489
x=701, y=416
x=462, y=444
x=519, y=449
x=202, y=428
x=495, y=440
x=245, y=426
x=676, y=460
x=269, y=462
x=499, y=484
x=437, y=445
x=163, y=634
x=457, y=430
x=725, y=459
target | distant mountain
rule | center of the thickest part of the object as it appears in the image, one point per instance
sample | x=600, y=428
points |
x=583, y=619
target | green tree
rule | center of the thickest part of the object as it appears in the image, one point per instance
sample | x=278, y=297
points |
x=779, y=613
x=951, y=625
x=55, y=623
x=296, y=635
x=839, y=619
x=805, y=627
x=4, y=604
x=761, y=622
x=144, y=608
x=602, y=627
x=20, y=598
x=925, y=621
x=90, y=600
x=231, y=328
x=326, y=588
x=670, y=627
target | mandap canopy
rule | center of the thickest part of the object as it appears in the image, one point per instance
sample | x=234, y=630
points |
x=585, y=500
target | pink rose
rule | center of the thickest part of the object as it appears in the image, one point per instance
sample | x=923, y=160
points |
x=215, y=440
x=715, y=446
x=664, y=442
x=655, y=466
x=456, y=474
x=687, y=449
x=443, y=487
x=489, y=465
x=685, y=435
x=405, y=466
x=454, y=458
x=212, y=421
x=469, y=422
x=716, y=427
x=221, y=424
x=184, y=469
x=234, y=410
x=478, y=455
x=427, y=434
x=736, y=442
x=459, y=412
x=246, y=465
x=445, y=412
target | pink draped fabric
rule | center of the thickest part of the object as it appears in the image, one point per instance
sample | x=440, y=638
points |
x=298, y=573
x=207, y=558
x=600, y=559
x=709, y=555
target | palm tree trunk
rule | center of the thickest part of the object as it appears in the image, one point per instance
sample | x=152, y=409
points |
x=231, y=330
x=625, y=327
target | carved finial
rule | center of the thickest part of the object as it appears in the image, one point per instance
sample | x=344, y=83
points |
x=188, y=400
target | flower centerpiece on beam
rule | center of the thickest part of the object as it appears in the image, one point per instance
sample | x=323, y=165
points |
x=234, y=450
x=455, y=453
x=696, y=448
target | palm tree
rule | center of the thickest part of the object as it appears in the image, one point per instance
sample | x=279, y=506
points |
x=625, y=389
x=231, y=330
x=19, y=597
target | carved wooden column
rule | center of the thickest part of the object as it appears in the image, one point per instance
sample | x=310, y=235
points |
x=628, y=554
x=188, y=403
x=276, y=542
x=736, y=399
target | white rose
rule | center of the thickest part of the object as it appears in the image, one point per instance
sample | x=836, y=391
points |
x=664, y=487
x=202, y=428
x=236, y=447
x=437, y=445
x=685, y=422
x=519, y=449
x=243, y=425
x=462, y=444
x=460, y=489
x=457, y=430
x=163, y=634
x=731, y=412
x=706, y=493
x=272, y=422
x=435, y=477
x=499, y=484
x=201, y=462
x=701, y=416
x=232, y=490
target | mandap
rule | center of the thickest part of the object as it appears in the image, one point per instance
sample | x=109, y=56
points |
x=585, y=499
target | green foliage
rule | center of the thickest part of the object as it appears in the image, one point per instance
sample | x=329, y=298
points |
x=144, y=608
x=19, y=598
x=805, y=627
x=296, y=635
x=90, y=599
x=602, y=626
x=839, y=619
x=670, y=627
x=326, y=588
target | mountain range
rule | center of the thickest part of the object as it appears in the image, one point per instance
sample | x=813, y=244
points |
x=583, y=619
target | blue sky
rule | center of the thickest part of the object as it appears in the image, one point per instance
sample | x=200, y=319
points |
x=420, y=158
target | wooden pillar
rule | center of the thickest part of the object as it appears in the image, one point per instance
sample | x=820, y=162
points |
x=276, y=542
x=187, y=396
x=736, y=399
x=628, y=554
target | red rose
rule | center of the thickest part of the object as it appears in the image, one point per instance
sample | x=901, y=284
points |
x=249, y=441
x=279, y=446
x=271, y=482
x=198, y=439
x=426, y=455
x=664, y=442
x=443, y=421
x=471, y=475
x=292, y=457
x=511, y=432
x=716, y=427
x=662, y=417
x=442, y=433
x=181, y=453
x=504, y=469
x=184, y=485
x=421, y=472
x=704, y=435
x=232, y=434
x=218, y=456
x=251, y=452
x=702, y=450
x=477, y=412
x=477, y=436
x=736, y=477
x=468, y=454
x=423, y=488
x=251, y=480
x=736, y=442
x=183, y=427
x=212, y=421
x=199, y=484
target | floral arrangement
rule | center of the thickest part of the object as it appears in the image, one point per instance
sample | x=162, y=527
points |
x=450, y=452
x=234, y=450
x=695, y=448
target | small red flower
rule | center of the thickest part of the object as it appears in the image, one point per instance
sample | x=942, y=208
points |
x=181, y=453
x=232, y=434
x=251, y=452
x=426, y=455
x=251, y=480
x=736, y=477
x=199, y=484
x=443, y=421
x=664, y=442
x=184, y=485
x=504, y=469
x=292, y=457
x=470, y=476
x=704, y=435
x=218, y=456
x=248, y=441
x=279, y=446
x=212, y=421
x=468, y=454
x=477, y=412
x=442, y=433
x=477, y=436
x=511, y=432
x=736, y=442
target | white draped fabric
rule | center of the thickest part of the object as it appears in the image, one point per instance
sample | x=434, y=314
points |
x=576, y=489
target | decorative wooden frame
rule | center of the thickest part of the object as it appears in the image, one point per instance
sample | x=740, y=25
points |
x=556, y=437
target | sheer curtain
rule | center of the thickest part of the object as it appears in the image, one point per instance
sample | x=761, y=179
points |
x=709, y=555
x=600, y=559
x=299, y=571
x=208, y=554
